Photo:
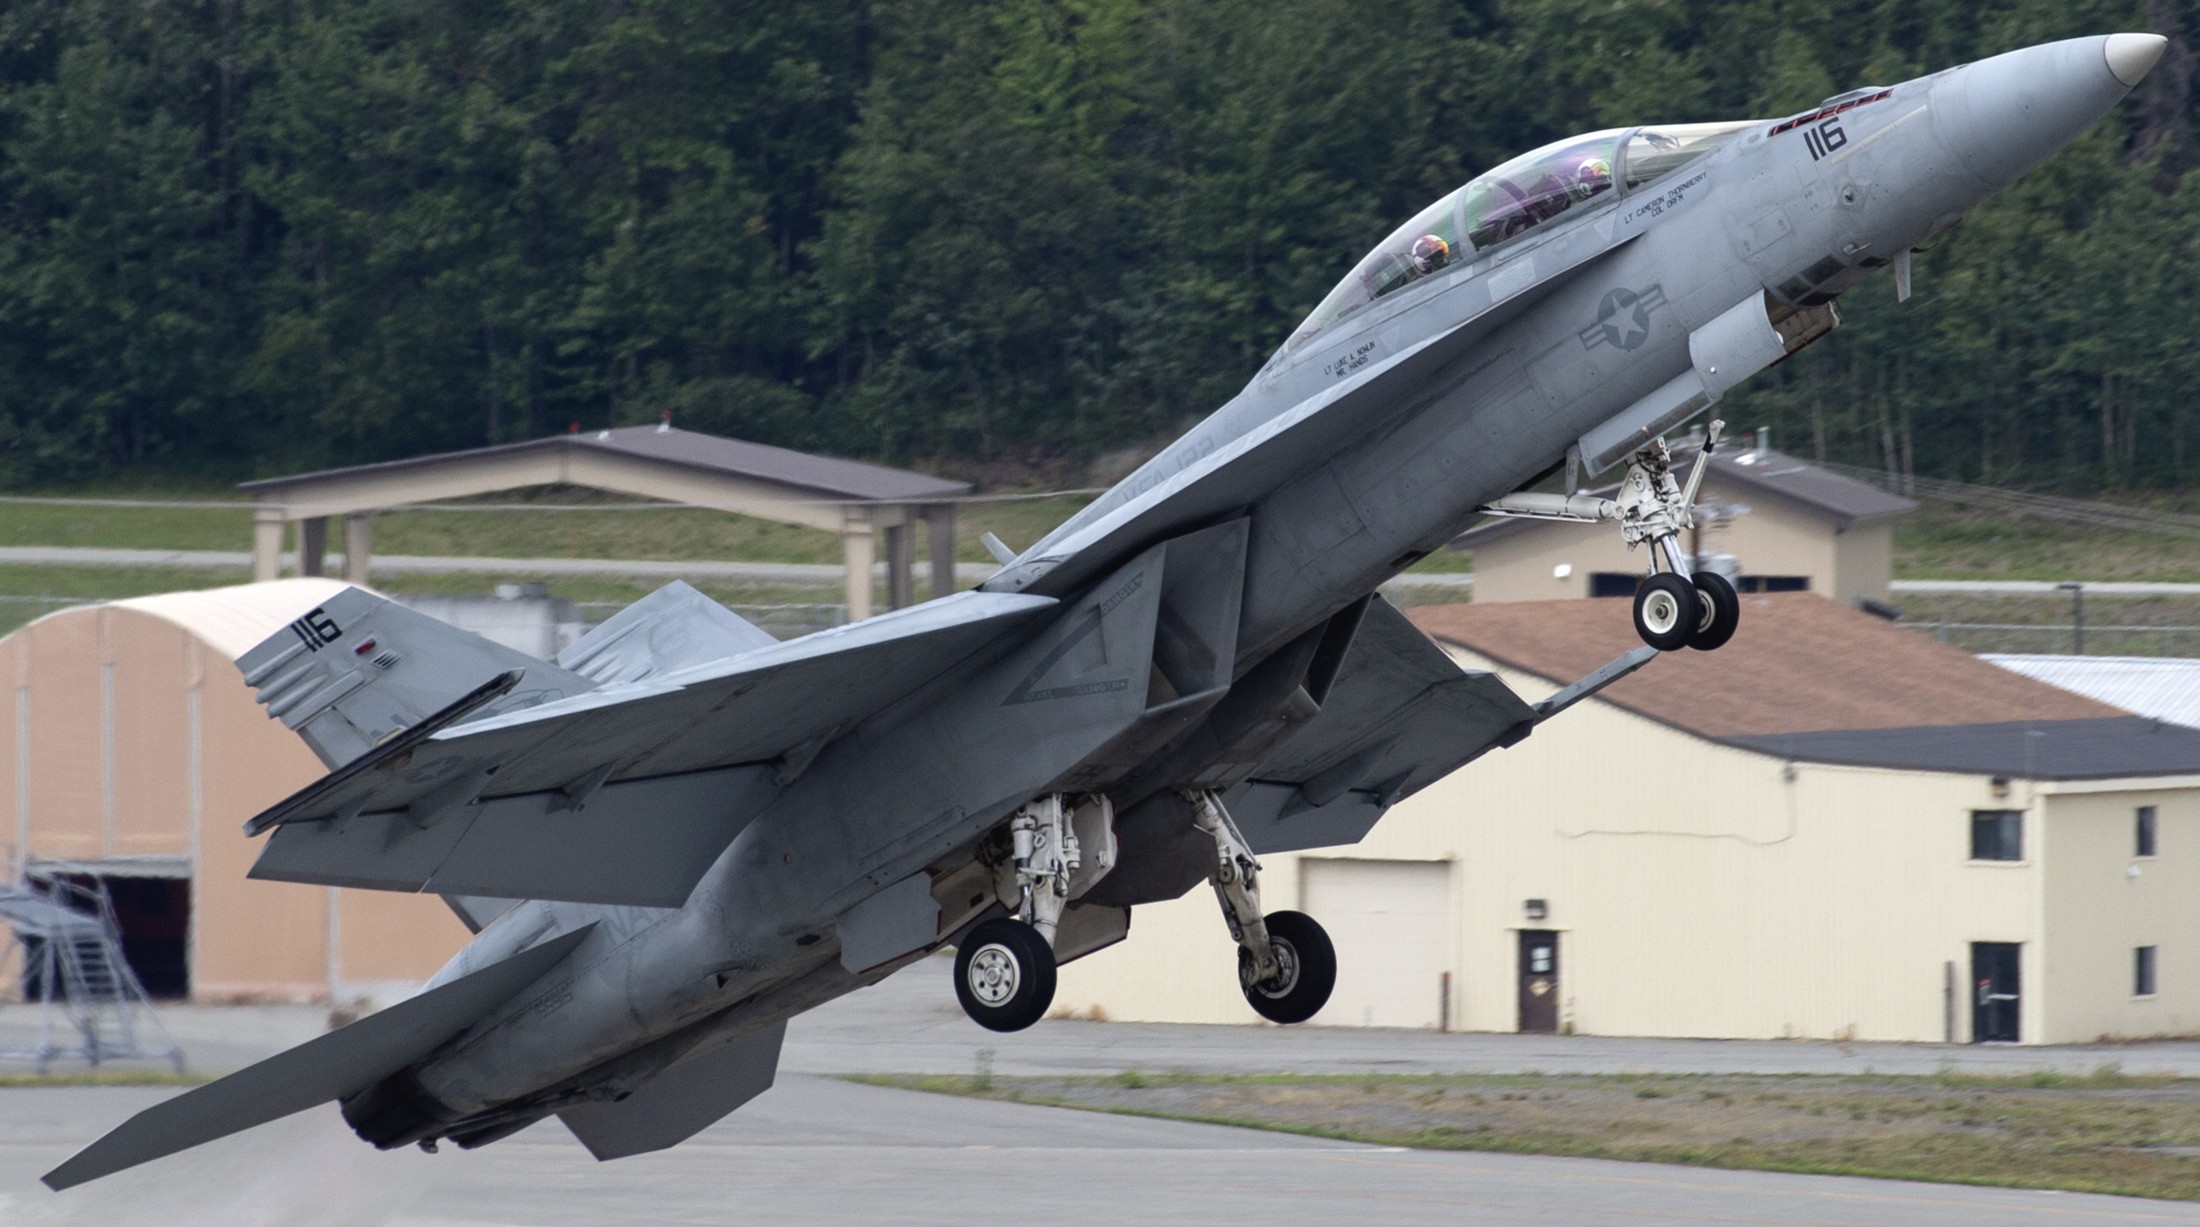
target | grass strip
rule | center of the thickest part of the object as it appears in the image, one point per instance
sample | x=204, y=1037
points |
x=106, y=1077
x=2098, y=1132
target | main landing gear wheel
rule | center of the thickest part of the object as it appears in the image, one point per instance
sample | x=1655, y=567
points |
x=1004, y=975
x=1719, y=612
x=1667, y=611
x=1307, y=970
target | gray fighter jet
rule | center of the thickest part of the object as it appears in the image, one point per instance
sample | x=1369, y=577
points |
x=714, y=831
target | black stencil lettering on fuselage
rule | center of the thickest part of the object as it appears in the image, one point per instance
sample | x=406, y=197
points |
x=1824, y=139
x=316, y=630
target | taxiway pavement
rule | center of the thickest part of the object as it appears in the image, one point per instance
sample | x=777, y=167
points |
x=817, y=1149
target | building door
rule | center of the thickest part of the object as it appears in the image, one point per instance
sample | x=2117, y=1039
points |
x=1539, y=981
x=1391, y=923
x=154, y=915
x=1994, y=997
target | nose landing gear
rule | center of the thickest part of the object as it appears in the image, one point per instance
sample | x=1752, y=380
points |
x=1678, y=607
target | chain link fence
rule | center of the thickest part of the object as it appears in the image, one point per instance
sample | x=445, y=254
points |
x=2034, y=639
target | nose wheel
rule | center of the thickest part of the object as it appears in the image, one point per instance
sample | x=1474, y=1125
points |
x=1719, y=611
x=1700, y=611
x=1667, y=612
x=1677, y=607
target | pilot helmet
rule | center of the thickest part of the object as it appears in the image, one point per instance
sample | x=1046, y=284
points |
x=1592, y=176
x=1430, y=253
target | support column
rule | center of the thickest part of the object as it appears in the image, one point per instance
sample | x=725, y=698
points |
x=313, y=546
x=358, y=546
x=901, y=588
x=939, y=534
x=857, y=551
x=267, y=543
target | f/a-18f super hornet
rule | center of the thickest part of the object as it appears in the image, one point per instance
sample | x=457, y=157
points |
x=713, y=831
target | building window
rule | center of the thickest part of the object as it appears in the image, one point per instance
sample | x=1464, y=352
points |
x=1773, y=583
x=2142, y=972
x=1997, y=835
x=2143, y=832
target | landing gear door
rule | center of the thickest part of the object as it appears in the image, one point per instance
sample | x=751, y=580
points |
x=1743, y=340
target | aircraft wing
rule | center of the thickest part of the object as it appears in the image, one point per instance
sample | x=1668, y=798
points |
x=1401, y=715
x=620, y=794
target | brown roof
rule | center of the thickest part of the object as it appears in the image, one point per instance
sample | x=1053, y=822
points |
x=826, y=475
x=1800, y=663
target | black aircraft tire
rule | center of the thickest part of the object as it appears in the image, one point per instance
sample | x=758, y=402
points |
x=1666, y=612
x=1004, y=975
x=1310, y=970
x=1720, y=614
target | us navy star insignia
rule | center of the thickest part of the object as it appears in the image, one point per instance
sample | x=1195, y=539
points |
x=1623, y=318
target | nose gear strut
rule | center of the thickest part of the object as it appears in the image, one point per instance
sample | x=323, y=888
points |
x=1676, y=608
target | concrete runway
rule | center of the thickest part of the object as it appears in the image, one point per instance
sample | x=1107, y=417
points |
x=819, y=1150
x=910, y=1024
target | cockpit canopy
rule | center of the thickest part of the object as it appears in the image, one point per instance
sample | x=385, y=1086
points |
x=1508, y=202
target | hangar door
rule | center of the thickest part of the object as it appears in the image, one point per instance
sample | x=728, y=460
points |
x=1391, y=922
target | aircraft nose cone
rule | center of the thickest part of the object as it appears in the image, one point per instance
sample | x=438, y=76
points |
x=2003, y=116
x=2132, y=56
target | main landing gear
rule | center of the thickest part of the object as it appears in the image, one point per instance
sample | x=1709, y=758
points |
x=1004, y=968
x=1678, y=607
x=1286, y=966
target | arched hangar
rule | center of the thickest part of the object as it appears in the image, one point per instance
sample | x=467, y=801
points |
x=131, y=752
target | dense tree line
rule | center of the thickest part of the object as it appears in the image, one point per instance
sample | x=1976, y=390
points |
x=246, y=234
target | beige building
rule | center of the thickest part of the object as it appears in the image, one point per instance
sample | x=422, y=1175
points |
x=1831, y=828
x=1804, y=529
x=134, y=754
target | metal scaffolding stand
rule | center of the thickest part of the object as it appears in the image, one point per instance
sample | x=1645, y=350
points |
x=71, y=948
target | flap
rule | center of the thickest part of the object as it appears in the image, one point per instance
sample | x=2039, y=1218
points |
x=784, y=701
x=643, y=843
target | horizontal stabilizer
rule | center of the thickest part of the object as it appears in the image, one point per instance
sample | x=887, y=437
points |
x=681, y=1102
x=317, y=1072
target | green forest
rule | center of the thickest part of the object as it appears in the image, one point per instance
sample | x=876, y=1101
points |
x=244, y=237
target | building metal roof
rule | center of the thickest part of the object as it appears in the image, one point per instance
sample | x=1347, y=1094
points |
x=231, y=620
x=1841, y=501
x=2027, y=749
x=827, y=476
x=1799, y=663
x=1810, y=678
x=2163, y=688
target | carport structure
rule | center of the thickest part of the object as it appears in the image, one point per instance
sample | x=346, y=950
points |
x=870, y=507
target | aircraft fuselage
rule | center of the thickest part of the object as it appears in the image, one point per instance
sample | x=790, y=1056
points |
x=1490, y=370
